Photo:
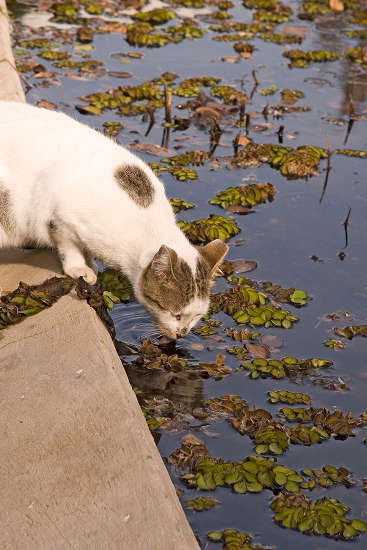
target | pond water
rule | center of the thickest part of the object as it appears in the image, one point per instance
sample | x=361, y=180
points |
x=299, y=240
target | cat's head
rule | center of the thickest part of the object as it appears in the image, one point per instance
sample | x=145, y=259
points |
x=174, y=295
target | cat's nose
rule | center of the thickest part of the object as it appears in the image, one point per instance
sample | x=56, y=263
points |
x=181, y=333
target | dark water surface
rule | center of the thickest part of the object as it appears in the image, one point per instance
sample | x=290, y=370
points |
x=281, y=236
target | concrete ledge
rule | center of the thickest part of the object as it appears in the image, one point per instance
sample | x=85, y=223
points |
x=78, y=466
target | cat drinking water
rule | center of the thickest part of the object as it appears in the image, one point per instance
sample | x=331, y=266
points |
x=68, y=187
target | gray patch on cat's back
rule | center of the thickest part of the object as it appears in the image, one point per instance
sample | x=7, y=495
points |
x=136, y=183
x=6, y=218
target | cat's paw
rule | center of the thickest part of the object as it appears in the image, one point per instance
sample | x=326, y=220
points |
x=83, y=271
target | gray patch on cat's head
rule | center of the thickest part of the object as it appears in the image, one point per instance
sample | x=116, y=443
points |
x=168, y=282
x=6, y=217
x=136, y=183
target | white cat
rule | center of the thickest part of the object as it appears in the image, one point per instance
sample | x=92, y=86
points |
x=66, y=186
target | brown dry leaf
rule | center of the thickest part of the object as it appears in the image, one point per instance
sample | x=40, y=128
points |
x=214, y=165
x=298, y=31
x=272, y=342
x=239, y=209
x=257, y=350
x=239, y=242
x=43, y=104
x=230, y=59
x=119, y=74
x=246, y=55
x=207, y=112
x=242, y=266
x=243, y=140
x=43, y=75
x=135, y=55
x=196, y=346
x=74, y=76
x=336, y=5
x=149, y=148
x=114, y=26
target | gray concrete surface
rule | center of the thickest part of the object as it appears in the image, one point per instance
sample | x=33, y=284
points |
x=78, y=466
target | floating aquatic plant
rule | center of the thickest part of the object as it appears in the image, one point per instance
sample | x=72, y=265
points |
x=299, y=58
x=325, y=516
x=248, y=306
x=156, y=16
x=288, y=397
x=351, y=331
x=201, y=503
x=279, y=368
x=195, y=157
x=235, y=540
x=180, y=204
x=206, y=230
x=291, y=96
x=245, y=195
x=350, y=153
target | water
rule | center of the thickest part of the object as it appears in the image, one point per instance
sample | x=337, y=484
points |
x=281, y=236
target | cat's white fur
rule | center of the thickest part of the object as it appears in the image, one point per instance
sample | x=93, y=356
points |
x=56, y=170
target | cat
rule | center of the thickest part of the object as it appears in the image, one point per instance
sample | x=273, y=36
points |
x=66, y=186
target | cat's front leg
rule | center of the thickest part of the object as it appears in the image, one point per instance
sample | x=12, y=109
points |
x=72, y=256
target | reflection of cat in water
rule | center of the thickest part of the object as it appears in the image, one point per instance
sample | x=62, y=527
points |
x=66, y=186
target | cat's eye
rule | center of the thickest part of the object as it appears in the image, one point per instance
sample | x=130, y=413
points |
x=177, y=317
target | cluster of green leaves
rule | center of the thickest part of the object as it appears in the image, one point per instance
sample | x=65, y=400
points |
x=279, y=368
x=234, y=540
x=284, y=396
x=209, y=229
x=245, y=195
x=256, y=473
x=280, y=38
x=206, y=329
x=115, y=287
x=336, y=423
x=248, y=306
x=195, y=157
x=201, y=503
x=179, y=204
x=300, y=59
x=291, y=96
x=28, y=300
x=325, y=516
x=301, y=163
x=351, y=331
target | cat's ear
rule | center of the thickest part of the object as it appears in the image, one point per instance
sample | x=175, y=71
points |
x=163, y=261
x=214, y=253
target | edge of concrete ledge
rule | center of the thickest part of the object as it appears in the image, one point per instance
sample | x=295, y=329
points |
x=79, y=467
